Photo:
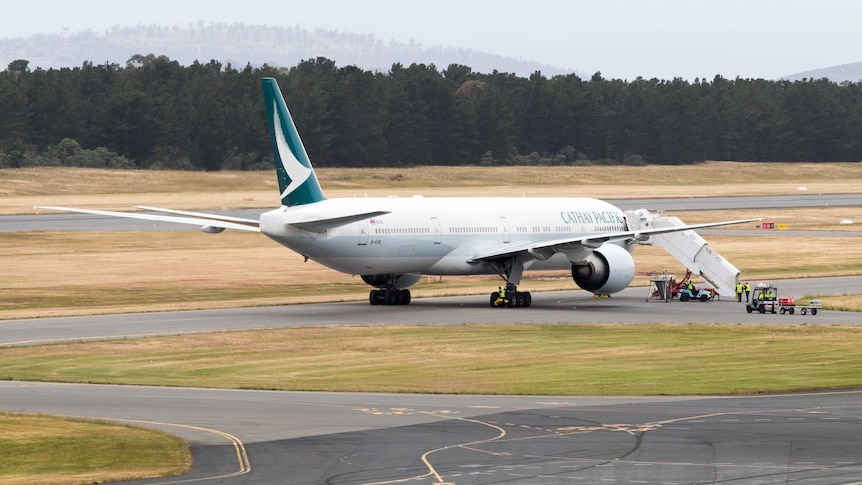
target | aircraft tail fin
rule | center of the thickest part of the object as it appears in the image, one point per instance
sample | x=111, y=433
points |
x=296, y=179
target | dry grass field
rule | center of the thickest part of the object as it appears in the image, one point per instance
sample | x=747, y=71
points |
x=70, y=273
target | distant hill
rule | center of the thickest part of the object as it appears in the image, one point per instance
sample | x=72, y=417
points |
x=845, y=72
x=240, y=44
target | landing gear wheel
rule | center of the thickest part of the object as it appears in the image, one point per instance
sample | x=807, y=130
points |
x=389, y=296
x=528, y=299
x=494, y=297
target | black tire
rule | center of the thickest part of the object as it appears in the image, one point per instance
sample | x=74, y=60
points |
x=791, y=310
x=804, y=311
x=814, y=311
x=390, y=297
x=406, y=297
x=761, y=308
x=512, y=300
x=703, y=298
x=494, y=296
x=528, y=299
x=519, y=300
x=748, y=308
x=374, y=297
x=683, y=297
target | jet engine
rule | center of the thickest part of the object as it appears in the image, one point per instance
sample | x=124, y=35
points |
x=606, y=270
x=397, y=281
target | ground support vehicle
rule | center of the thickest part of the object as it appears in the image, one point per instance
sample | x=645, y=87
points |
x=813, y=306
x=786, y=305
x=686, y=294
x=666, y=287
x=764, y=298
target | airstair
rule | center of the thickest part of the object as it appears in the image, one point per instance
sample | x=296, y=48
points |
x=688, y=248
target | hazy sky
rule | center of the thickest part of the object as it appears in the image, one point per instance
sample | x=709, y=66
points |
x=620, y=38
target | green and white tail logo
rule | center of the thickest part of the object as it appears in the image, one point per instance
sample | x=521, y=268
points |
x=296, y=178
x=293, y=168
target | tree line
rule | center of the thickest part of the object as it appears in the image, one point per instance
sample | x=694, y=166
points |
x=155, y=113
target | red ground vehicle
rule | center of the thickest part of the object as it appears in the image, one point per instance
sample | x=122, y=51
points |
x=786, y=305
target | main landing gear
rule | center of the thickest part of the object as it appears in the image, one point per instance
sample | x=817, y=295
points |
x=511, y=270
x=513, y=298
x=389, y=296
x=390, y=289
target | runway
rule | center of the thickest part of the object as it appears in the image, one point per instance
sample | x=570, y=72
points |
x=576, y=306
x=86, y=222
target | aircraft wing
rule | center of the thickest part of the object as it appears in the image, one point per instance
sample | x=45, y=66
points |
x=208, y=222
x=591, y=241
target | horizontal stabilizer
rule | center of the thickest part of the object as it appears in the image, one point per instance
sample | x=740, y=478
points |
x=182, y=217
x=321, y=225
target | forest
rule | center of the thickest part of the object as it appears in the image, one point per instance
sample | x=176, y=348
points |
x=154, y=113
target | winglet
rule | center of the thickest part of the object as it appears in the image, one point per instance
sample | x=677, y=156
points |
x=296, y=179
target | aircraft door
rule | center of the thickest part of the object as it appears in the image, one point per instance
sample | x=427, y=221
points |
x=363, y=232
x=505, y=224
x=438, y=233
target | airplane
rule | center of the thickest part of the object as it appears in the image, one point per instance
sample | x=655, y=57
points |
x=392, y=242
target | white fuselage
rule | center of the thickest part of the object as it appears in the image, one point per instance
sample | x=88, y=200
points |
x=437, y=236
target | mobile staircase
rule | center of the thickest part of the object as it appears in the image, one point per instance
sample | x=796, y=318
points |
x=688, y=248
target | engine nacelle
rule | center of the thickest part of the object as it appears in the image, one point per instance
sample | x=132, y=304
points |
x=606, y=270
x=400, y=281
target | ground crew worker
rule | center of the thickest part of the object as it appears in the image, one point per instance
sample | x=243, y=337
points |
x=502, y=299
x=739, y=288
x=747, y=291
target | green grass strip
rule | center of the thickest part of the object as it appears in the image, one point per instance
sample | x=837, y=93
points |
x=47, y=450
x=613, y=359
